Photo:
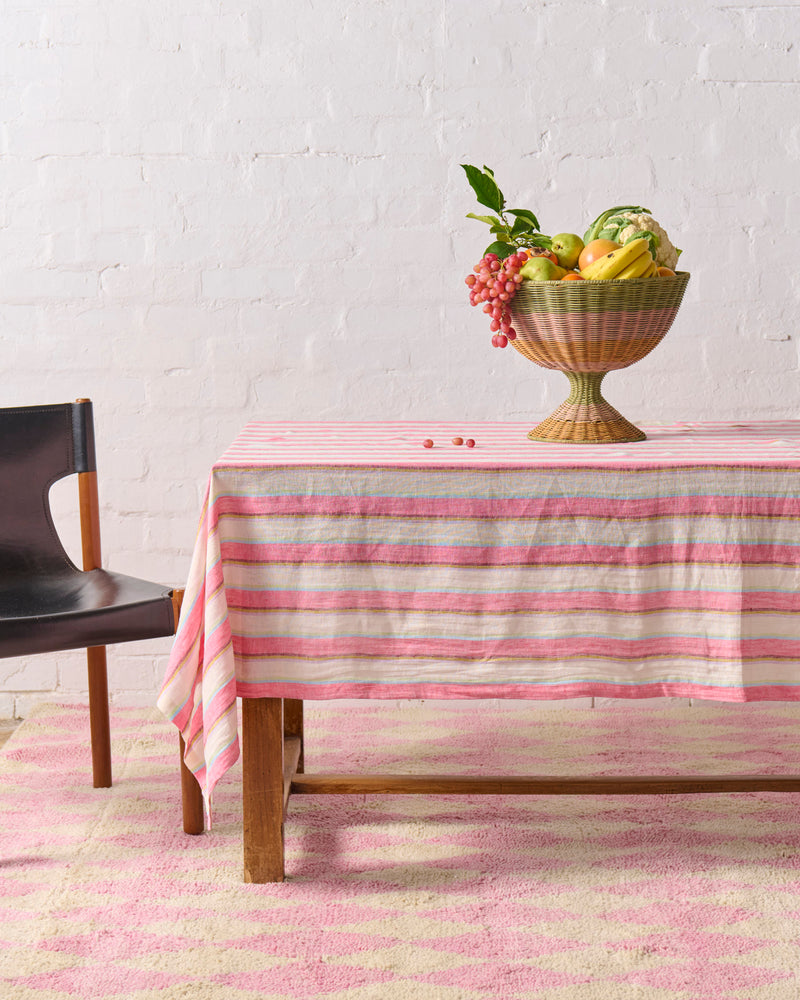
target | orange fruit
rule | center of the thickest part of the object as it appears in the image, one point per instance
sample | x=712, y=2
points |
x=573, y=276
x=664, y=272
x=594, y=250
x=541, y=252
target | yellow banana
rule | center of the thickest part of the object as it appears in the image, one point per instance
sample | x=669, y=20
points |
x=639, y=268
x=609, y=266
x=605, y=268
x=650, y=272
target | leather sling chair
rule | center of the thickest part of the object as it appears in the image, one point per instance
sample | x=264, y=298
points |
x=46, y=603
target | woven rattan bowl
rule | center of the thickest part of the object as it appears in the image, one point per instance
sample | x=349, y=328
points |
x=586, y=329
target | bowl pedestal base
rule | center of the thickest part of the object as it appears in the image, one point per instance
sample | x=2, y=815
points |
x=585, y=416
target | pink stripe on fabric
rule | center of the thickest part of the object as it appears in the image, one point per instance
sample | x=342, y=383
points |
x=216, y=641
x=525, y=692
x=511, y=555
x=294, y=505
x=496, y=603
x=176, y=698
x=487, y=650
x=190, y=626
x=183, y=717
x=200, y=687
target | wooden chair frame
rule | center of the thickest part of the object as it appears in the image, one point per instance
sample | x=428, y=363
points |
x=96, y=659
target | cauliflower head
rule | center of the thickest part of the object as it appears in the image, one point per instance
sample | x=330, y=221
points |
x=628, y=224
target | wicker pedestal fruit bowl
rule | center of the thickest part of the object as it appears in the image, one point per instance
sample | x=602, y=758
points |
x=587, y=329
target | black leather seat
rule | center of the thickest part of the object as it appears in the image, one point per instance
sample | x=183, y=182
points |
x=70, y=610
x=46, y=602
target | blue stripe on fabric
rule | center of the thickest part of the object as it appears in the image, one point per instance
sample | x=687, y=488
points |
x=210, y=763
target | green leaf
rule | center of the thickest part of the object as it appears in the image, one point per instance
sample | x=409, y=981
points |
x=523, y=213
x=502, y=250
x=485, y=188
x=490, y=220
x=521, y=225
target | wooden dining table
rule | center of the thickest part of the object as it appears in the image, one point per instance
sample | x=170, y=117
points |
x=444, y=559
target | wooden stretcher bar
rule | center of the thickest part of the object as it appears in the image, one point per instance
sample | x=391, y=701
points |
x=273, y=771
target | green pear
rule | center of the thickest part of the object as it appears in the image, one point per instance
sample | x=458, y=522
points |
x=541, y=269
x=567, y=247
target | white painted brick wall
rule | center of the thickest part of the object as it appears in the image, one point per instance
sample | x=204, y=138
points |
x=215, y=211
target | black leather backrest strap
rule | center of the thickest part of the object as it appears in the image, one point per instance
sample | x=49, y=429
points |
x=83, y=455
x=38, y=446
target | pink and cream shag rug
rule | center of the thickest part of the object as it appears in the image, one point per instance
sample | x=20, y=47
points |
x=690, y=897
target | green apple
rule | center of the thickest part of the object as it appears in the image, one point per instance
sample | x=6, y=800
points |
x=541, y=269
x=567, y=247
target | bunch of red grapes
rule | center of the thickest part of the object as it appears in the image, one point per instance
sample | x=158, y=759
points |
x=493, y=285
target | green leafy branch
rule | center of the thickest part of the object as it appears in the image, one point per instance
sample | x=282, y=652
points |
x=510, y=234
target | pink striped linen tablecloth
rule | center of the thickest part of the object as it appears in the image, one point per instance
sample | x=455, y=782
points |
x=340, y=560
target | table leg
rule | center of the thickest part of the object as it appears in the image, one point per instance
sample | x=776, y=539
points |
x=262, y=789
x=293, y=724
x=191, y=798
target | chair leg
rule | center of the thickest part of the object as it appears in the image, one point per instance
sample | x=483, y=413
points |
x=99, y=724
x=191, y=798
x=95, y=655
